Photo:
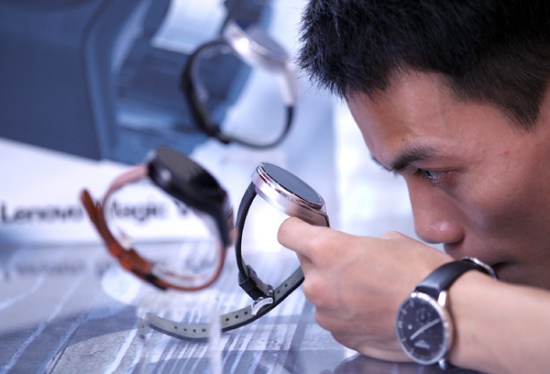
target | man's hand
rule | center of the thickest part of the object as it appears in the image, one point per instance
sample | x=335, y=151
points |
x=357, y=283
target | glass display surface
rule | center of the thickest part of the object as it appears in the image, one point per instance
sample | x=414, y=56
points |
x=71, y=309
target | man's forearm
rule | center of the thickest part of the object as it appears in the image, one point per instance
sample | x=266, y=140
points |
x=500, y=327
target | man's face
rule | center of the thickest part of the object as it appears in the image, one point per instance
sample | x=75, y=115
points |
x=476, y=183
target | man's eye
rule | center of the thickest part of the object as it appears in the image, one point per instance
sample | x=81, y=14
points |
x=434, y=176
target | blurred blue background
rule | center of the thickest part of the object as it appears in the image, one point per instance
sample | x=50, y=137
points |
x=91, y=86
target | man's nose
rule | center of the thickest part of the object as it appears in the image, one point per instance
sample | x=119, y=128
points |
x=435, y=217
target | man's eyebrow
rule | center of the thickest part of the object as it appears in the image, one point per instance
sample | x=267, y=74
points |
x=408, y=156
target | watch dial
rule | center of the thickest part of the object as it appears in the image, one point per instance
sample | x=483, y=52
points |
x=423, y=329
x=293, y=184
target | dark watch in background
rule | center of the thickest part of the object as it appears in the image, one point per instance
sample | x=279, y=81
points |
x=186, y=182
x=291, y=195
x=252, y=45
x=424, y=324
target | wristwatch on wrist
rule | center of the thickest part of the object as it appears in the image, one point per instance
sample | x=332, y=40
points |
x=289, y=194
x=424, y=324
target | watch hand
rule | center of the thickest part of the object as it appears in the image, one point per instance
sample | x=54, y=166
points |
x=424, y=328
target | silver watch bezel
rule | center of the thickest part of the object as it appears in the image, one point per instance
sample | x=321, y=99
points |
x=287, y=201
x=257, y=48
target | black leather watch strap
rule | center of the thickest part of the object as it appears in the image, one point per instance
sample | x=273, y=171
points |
x=244, y=207
x=444, y=276
x=196, y=94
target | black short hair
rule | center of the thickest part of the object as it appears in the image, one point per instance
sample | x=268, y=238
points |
x=492, y=51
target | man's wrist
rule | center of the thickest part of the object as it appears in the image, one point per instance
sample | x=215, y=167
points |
x=471, y=298
x=424, y=321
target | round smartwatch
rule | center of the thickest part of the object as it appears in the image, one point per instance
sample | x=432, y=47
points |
x=190, y=183
x=185, y=181
x=294, y=197
x=423, y=323
x=253, y=46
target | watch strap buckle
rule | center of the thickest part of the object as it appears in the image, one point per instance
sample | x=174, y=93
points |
x=254, y=286
x=259, y=304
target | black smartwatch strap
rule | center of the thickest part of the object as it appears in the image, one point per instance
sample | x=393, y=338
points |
x=443, y=277
x=265, y=298
x=244, y=207
x=193, y=91
x=248, y=279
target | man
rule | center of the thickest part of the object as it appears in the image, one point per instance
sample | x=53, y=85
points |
x=453, y=96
